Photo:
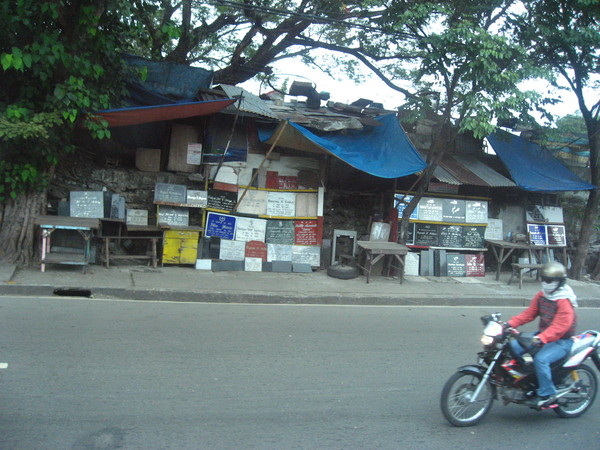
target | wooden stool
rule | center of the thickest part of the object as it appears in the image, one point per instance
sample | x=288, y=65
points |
x=518, y=267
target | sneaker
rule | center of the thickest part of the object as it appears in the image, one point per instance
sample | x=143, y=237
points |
x=541, y=402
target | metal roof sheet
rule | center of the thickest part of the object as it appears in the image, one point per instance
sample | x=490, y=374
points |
x=460, y=169
x=250, y=102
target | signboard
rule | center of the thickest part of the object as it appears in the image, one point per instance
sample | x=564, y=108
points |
x=280, y=232
x=427, y=234
x=220, y=225
x=307, y=204
x=456, y=265
x=170, y=193
x=222, y=200
x=281, y=204
x=475, y=265
x=537, y=234
x=431, y=209
x=307, y=255
x=536, y=213
x=306, y=232
x=194, y=153
x=494, y=230
x=453, y=210
x=476, y=211
x=279, y=252
x=410, y=234
x=249, y=229
x=556, y=235
x=137, y=217
x=232, y=250
x=256, y=249
x=253, y=264
x=473, y=237
x=254, y=202
x=174, y=215
x=451, y=236
x=117, y=207
x=411, y=264
x=197, y=198
x=288, y=182
x=401, y=205
x=88, y=204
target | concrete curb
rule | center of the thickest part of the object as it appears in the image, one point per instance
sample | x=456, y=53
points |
x=278, y=298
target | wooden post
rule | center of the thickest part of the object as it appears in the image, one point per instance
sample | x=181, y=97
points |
x=277, y=137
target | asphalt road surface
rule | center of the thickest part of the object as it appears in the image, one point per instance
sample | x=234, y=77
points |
x=97, y=374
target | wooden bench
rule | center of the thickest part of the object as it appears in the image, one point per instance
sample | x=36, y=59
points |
x=151, y=255
x=518, y=268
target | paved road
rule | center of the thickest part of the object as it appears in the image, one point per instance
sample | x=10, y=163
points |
x=116, y=374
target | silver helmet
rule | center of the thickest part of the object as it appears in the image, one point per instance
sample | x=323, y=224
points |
x=554, y=271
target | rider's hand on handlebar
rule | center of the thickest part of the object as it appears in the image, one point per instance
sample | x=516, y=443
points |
x=537, y=342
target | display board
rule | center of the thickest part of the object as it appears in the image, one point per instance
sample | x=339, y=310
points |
x=88, y=204
x=453, y=210
x=250, y=229
x=306, y=254
x=256, y=249
x=431, y=209
x=117, y=207
x=254, y=202
x=537, y=234
x=220, y=225
x=494, y=230
x=279, y=252
x=174, y=216
x=306, y=232
x=197, y=198
x=401, y=202
x=222, y=200
x=451, y=236
x=475, y=265
x=281, y=204
x=473, y=237
x=476, y=211
x=547, y=234
x=280, y=232
x=427, y=234
x=170, y=193
x=537, y=213
x=232, y=250
x=137, y=217
x=457, y=266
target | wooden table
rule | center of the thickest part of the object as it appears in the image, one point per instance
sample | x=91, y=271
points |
x=375, y=250
x=84, y=226
x=503, y=249
x=151, y=234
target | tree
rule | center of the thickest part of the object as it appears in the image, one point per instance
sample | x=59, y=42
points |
x=564, y=36
x=55, y=58
x=237, y=39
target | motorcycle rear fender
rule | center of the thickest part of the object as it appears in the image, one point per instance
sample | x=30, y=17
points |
x=475, y=370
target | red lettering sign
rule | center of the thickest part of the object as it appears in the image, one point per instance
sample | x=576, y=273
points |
x=306, y=232
x=256, y=249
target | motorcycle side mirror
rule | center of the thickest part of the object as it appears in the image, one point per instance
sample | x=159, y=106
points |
x=486, y=319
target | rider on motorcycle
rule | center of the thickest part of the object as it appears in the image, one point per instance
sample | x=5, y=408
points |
x=554, y=304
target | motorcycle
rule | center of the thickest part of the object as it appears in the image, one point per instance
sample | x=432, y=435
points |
x=499, y=374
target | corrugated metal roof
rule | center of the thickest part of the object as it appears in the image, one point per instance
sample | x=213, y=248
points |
x=460, y=169
x=250, y=102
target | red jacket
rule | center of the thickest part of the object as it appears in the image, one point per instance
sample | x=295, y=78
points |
x=555, y=324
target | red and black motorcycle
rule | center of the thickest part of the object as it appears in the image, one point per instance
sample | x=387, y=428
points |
x=499, y=374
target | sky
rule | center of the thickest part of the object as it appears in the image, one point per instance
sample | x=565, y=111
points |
x=344, y=90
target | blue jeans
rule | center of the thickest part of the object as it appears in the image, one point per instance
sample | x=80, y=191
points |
x=553, y=351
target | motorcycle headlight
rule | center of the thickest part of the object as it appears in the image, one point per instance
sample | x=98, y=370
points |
x=487, y=340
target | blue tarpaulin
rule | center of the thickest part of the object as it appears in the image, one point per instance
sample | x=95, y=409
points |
x=384, y=151
x=532, y=167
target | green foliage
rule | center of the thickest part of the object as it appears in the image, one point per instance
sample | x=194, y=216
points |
x=55, y=59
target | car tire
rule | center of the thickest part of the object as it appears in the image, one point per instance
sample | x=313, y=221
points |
x=343, y=271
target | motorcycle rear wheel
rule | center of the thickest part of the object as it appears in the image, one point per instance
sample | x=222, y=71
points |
x=456, y=395
x=575, y=404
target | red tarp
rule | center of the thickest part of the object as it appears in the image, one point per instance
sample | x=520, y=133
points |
x=144, y=114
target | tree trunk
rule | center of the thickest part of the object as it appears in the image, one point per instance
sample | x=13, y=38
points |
x=591, y=209
x=17, y=231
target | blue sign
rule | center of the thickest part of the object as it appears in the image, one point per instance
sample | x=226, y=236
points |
x=401, y=202
x=537, y=234
x=220, y=225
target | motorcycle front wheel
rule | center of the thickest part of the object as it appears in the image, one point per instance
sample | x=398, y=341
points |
x=456, y=403
x=575, y=403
